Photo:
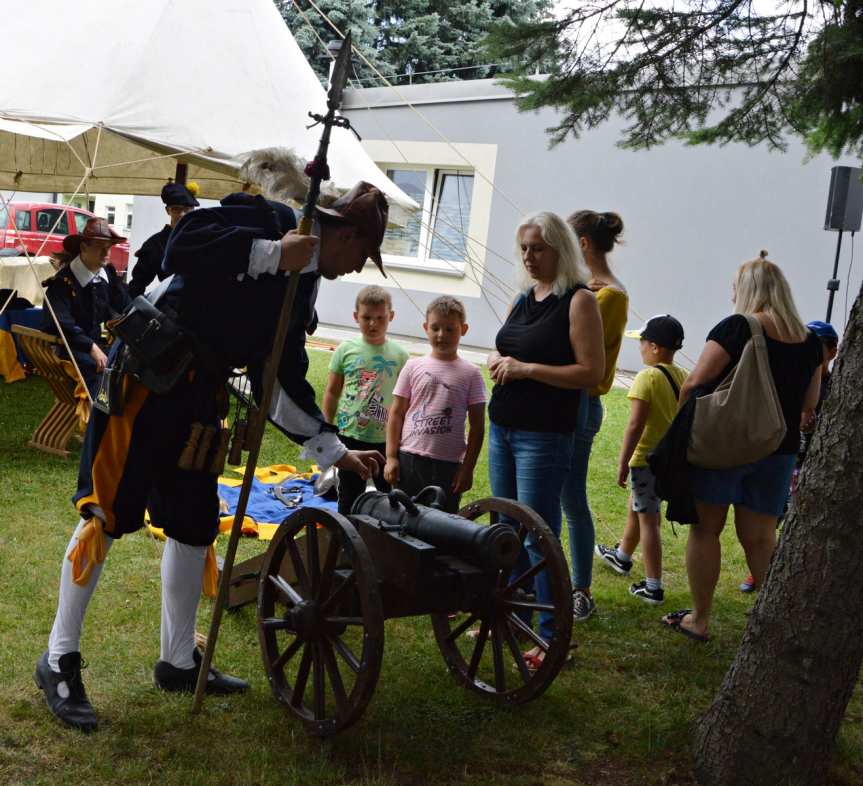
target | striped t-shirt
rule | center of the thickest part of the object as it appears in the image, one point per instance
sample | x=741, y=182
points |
x=439, y=393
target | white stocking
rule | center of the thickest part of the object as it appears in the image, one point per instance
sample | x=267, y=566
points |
x=182, y=579
x=71, y=605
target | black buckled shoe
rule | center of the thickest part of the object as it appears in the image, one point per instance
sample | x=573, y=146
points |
x=64, y=691
x=174, y=680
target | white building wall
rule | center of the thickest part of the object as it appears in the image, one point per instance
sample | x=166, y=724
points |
x=692, y=214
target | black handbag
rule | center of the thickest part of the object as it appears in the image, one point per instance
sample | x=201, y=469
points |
x=159, y=350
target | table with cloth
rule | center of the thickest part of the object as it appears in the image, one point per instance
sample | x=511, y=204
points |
x=16, y=273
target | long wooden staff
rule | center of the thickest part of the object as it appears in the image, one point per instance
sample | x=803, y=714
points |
x=317, y=170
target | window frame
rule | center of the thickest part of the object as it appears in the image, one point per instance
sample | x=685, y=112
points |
x=428, y=211
x=110, y=214
x=439, y=174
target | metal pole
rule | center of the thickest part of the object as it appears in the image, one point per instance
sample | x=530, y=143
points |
x=833, y=283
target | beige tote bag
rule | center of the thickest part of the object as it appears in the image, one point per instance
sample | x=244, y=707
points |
x=742, y=420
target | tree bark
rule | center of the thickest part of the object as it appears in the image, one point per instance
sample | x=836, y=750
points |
x=776, y=716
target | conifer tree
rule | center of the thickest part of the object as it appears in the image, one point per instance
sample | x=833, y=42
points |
x=702, y=70
x=409, y=36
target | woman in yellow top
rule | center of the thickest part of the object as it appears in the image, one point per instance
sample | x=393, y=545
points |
x=597, y=233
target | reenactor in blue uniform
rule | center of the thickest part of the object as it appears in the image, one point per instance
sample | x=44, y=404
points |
x=179, y=199
x=85, y=293
x=228, y=266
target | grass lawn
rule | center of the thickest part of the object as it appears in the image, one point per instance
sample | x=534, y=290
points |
x=620, y=715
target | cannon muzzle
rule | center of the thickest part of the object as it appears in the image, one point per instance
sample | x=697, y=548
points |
x=493, y=547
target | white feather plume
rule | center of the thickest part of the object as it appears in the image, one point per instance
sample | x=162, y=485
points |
x=278, y=173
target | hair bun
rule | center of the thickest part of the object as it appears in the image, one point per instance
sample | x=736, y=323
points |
x=614, y=224
x=762, y=254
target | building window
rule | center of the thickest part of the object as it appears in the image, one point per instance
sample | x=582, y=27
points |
x=434, y=237
x=128, y=217
x=110, y=214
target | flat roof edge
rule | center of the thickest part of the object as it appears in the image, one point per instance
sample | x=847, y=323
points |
x=452, y=92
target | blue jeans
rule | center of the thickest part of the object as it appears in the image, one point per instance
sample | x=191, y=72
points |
x=530, y=466
x=573, y=496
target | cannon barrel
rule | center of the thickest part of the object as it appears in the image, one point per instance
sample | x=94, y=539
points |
x=493, y=547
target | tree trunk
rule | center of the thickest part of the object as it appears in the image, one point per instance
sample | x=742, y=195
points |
x=776, y=716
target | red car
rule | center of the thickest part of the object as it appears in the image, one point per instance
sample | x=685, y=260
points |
x=31, y=225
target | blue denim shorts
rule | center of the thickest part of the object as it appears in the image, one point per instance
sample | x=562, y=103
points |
x=762, y=486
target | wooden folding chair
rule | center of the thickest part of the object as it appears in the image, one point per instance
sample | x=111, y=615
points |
x=52, y=435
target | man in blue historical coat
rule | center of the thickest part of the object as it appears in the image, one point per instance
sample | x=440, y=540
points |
x=228, y=271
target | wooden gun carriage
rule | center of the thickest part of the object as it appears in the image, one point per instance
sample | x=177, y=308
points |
x=327, y=583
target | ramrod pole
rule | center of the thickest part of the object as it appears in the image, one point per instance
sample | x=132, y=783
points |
x=317, y=170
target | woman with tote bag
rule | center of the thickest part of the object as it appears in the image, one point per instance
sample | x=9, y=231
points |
x=733, y=359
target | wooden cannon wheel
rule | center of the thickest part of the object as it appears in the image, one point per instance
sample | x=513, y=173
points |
x=329, y=613
x=489, y=659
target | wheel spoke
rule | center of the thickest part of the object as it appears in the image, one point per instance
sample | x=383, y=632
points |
x=526, y=576
x=286, y=589
x=497, y=655
x=314, y=560
x=347, y=656
x=340, y=591
x=318, y=682
x=341, y=697
x=522, y=533
x=514, y=650
x=344, y=620
x=279, y=663
x=299, y=567
x=329, y=568
x=528, y=631
x=277, y=623
x=302, y=677
x=477, y=651
x=462, y=627
x=519, y=605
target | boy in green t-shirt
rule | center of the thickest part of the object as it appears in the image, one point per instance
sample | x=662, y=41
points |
x=653, y=398
x=363, y=373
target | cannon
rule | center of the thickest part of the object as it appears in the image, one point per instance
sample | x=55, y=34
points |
x=328, y=582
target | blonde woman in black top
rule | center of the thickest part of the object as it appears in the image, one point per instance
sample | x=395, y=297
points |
x=548, y=351
x=758, y=490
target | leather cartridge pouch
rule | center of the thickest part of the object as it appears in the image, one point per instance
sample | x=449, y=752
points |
x=109, y=398
x=159, y=350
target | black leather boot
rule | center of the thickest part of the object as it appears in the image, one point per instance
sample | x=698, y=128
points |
x=174, y=680
x=64, y=691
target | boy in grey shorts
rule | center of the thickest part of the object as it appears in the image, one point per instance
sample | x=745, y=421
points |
x=653, y=400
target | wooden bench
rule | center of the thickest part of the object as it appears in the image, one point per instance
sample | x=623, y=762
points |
x=52, y=435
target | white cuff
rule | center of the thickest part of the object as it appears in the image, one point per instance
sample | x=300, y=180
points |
x=325, y=449
x=264, y=257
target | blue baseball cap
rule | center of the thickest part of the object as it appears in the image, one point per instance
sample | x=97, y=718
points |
x=823, y=330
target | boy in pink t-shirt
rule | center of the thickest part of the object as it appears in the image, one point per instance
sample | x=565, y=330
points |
x=431, y=400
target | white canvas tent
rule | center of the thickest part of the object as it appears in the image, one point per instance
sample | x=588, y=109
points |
x=108, y=97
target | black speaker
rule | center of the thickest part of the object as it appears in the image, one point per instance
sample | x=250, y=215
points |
x=845, y=200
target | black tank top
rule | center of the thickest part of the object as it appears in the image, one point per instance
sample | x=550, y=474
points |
x=536, y=333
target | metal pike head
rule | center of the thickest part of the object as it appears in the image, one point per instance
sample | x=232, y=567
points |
x=341, y=70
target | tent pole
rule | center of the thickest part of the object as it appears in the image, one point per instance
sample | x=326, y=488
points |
x=181, y=173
